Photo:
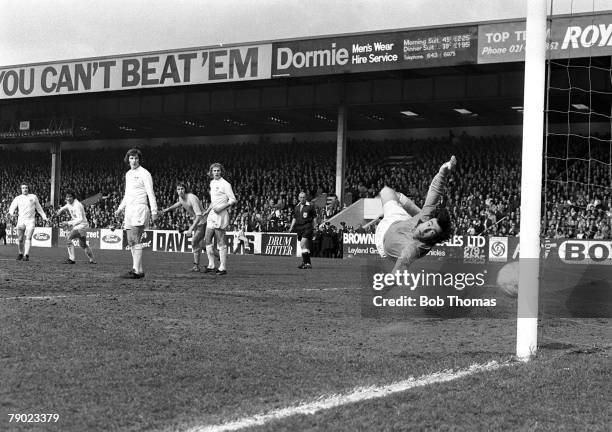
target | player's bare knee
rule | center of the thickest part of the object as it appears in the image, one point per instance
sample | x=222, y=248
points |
x=133, y=237
x=209, y=236
x=220, y=236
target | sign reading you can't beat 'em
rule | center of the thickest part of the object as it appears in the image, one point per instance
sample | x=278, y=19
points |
x=137, y=71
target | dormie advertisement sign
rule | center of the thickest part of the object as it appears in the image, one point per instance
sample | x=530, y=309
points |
x=161, y=69
x=374, y=52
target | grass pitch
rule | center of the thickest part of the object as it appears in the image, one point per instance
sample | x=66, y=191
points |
x=178, y=350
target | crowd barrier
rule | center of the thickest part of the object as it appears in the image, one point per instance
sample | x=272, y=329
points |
x=468, y=249
x=276, y=244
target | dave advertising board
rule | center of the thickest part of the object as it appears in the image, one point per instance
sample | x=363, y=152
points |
x=171, y=241
x=236, y=244
x=175, y=241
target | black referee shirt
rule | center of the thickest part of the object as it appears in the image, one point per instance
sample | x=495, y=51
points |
x=304, y=214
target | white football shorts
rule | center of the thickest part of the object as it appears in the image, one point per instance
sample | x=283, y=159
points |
x=137, y=215
x=392, y=212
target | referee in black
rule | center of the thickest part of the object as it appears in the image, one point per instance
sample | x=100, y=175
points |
x=304, y=223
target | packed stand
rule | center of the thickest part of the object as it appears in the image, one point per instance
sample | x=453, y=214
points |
x=483, y=196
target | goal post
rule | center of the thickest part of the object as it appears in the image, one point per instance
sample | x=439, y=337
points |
x=531, y=180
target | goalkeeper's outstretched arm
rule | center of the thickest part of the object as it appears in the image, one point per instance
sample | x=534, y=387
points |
x=437, y=186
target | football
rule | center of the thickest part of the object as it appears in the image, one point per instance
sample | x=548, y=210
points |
x=507, y=279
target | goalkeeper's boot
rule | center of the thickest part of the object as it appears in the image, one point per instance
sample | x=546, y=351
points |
x=19, y=257
x=68, y=261
x=26, y=257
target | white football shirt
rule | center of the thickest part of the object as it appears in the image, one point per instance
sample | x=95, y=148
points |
x=27, y=206
x=221, y=193
x=77, y=212
x=139, y=187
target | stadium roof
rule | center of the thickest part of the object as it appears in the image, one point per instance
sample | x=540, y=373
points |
x=458, y=96
x=456, y=76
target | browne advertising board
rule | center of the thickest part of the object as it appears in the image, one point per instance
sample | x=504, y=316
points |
x=458, y=247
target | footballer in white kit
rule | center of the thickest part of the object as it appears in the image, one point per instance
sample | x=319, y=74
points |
x=78, y=228
x=138, y=197
x=193, y=206
x=221, y=199
x=241, y=242
x=27, y=204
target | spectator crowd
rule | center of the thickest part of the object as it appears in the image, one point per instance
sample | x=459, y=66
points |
x=483, y=196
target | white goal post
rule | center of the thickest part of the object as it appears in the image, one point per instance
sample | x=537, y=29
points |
x=531, y=180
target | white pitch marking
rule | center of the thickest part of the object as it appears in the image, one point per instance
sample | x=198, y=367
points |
x=55, y=297
x=75, y=296
x=357, y=395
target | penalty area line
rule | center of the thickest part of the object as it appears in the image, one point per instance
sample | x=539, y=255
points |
x=359, y=394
